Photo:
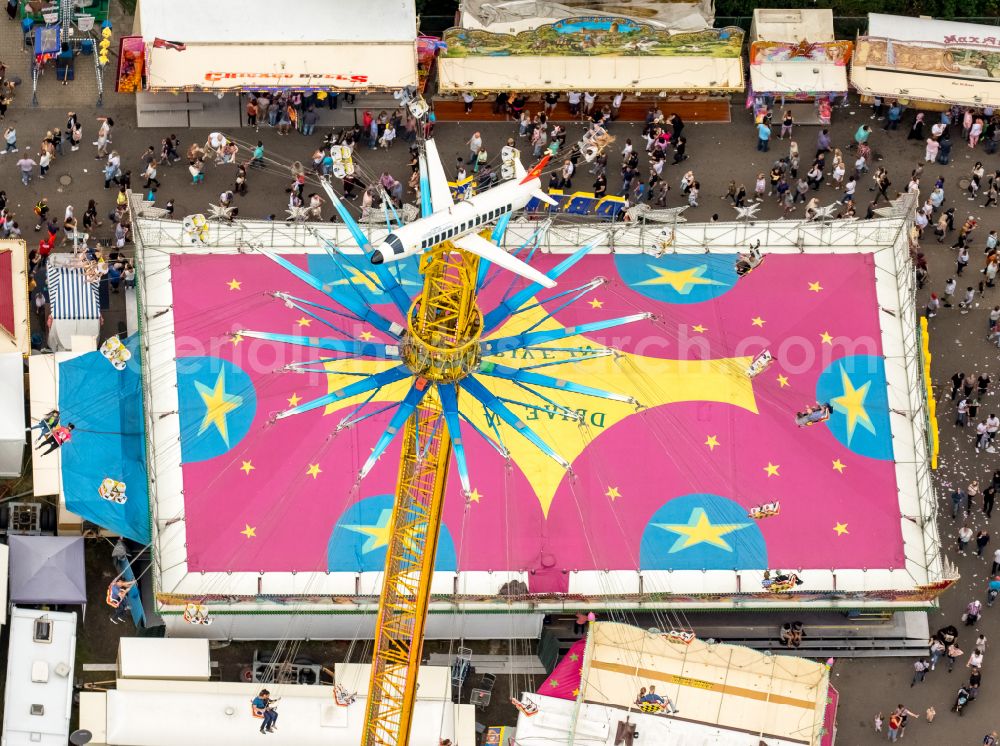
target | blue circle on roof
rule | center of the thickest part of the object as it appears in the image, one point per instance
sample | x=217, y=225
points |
x=359, y=539
x=855, y=387
x=217, y=403
x=678, y=278
x=363, y=279
x=702, y=531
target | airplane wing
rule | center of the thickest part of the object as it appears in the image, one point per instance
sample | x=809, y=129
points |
x=476, y=244
x=440, y=191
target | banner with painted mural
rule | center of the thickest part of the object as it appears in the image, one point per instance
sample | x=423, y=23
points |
x=927, y=57
x=131, y=64
x=595, y=36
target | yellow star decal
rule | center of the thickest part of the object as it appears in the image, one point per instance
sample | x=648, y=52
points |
x=839, y=466
x=576, y=692
x=236, y=338
x=247, y=467
x=596, y=303
x=474, y=496
x=218, y=404
x=700, y=530
x=304, y=321
x=365, y=279
x=841, y=529
x=378, y=534
x=815, y=287
x=712, y=442
x=680, y=280
x=852, y=405
x=234, y=284
x=757, y=321
x=294, y=399
x=772, y=469
x=782, y=380
x=826, y=338
x=613, y=493
x=366, y=336
x=699, y=328
x=313, y=470
x=250, y=531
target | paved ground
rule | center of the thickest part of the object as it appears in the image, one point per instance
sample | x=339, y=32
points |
x=718, y=153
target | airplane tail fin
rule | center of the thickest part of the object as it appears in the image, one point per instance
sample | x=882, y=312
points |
x=535, y=172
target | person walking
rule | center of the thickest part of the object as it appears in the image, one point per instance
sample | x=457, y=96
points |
x=920, y=669
x=972, y=612
x=982, y=539
x=763, y=136
x=964, y=536
x=953, y=653
x=26, y=166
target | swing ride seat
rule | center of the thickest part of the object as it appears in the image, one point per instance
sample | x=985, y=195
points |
x=257, y=712
x=527, y=708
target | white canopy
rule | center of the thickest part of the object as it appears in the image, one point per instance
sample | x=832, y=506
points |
x=254, y=44
x=552, y=73
x=809, y=24
x=796, y=77
x=11, y=413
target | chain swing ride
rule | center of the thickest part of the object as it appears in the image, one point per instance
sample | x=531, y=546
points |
x=445, y=349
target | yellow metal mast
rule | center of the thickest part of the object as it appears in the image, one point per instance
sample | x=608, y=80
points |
x=441, y=345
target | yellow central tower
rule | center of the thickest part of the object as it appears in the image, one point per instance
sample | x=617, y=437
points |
x=441, y=345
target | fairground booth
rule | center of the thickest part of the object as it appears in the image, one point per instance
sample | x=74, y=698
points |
x=796, y=64
x=688, y=68
x=928, y=64
x=189, y=72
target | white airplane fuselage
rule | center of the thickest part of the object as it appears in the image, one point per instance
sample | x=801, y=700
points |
x=462, y=218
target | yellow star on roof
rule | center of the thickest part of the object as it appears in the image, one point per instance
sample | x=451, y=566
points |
x=576, y=692
x=815, y=287
x=250, y=531
x=839, y=466
x=613, y=493
x=313, y=470
x=712, y=442
x=234, y=284
x=852, y=405
x=841, y=529
x=772, y=469
x=757, y=321
x=699, y=328
x=596, y=303
x=247, y=467
x=236, y=338
x=218, y=404
x=782, y=380
x=378, y=533
x=366, y=336
x=827, y=339
x=304, y=321
x=680, y=280
x=294, y=399
x=365, y=279
x=474, y=496
x=700, y=530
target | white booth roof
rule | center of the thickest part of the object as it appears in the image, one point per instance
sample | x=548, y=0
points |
x=11, y=413
x=552, y=73
x=255, y=21
x=39, y=673
x=164, y=658
x=930, y=30
x=143, y=712
x=812, y=24
x=795, y=77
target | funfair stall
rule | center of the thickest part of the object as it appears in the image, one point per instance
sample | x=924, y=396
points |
x=690, y=72
x=797, y=64
x=928, y=63
x=14, y=344
x=252, y=47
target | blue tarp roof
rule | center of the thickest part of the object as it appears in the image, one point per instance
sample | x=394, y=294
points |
x=105, y=405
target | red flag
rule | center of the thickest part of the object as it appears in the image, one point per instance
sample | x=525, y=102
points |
x=164, y=44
